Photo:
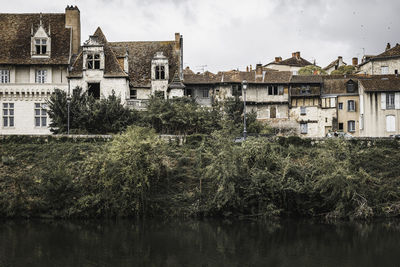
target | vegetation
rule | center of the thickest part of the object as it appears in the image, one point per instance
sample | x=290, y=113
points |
x=345, y=69
x=311, y=70
x=138, y=174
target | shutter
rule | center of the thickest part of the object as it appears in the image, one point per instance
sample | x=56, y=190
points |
x=383, y=100
x=397, y=100
x=333, y=102
x=361, y=104
x=45, y=76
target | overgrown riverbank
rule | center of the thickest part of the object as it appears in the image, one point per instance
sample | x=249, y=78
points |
x=138, y=174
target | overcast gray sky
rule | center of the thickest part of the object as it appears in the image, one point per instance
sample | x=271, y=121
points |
x=230, y=34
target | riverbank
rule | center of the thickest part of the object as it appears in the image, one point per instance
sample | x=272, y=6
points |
x=137, y=174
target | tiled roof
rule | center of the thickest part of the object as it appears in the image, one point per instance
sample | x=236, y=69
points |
x=141, y=55
x=333, y=64
x=381, y=84
x=337, y=85
x=292, y=61
x=15, y=38
x=111, y=65
x=306, y=79
x=392, y=52
x=277, y=77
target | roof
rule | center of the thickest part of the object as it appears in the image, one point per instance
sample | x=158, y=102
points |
x=111, y=66
x=306, y=79
x=390, y=53
x=381, y=84
x=268, y=77
x=15, y=38
x=292, y=61
x=140, y=57
x=333, y=64
x=337, y=85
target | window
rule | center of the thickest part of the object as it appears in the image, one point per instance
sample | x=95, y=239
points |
x=294, y=72
x=351, y=126
x=351, y=106
x=94, y=90
x=305, y=90
x=280, y=90
x=93, y=61
x=384, y=70
x=237, y=89
x=340, y=126
x=340, y=105
x=133, y=94
x=390, y=101
x=4, y=76
x=351, y=87
x=273, y=90
x=41, y=46
x=272, y=112
x=303, y=128
x=396, y=72
x=160, y=73
x=205, y=93
x=41, y=76
x=8, y=114
x=188, y=92
x=390, y=123
x=303, y=111
x=40, y=115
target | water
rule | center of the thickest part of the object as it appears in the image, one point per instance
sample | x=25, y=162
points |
x=198, y=243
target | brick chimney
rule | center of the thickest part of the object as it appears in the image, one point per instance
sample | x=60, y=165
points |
x=355, y=61
x=73, y=21
x=298, y=55
x=294, y=54
x=278, y=59
x=387, y=46
x=251, y=68
x=247, y=68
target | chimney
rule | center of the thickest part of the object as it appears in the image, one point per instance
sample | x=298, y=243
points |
x=387, y=46
x=298, y=55
x=247, y=68
x=259, y=70
x=251, y=67
x=177, y=41
x=73, y=21
x=278, y=59
x=355, y=61
x=294, y=54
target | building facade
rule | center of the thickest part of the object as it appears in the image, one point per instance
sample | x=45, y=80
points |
x=385, y=63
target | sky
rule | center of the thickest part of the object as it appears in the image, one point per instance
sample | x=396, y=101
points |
x=221, y=35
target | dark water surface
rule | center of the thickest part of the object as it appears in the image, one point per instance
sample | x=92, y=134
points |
x=198, y=243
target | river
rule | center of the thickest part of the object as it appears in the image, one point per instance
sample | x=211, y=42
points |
x=198, y=243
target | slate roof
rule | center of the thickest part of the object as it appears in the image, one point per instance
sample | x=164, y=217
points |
x=111, y=65
x=269, y=77
x=15, y=38
x=140, y=57
x=381, y=84
x=306, y=79
x=337, y=85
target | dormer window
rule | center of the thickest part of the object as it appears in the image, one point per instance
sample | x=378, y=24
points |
x=93, y=61
x=41, y=46
x=160, y=73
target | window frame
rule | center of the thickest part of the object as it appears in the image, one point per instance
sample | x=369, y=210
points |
x=40, y=115
x=159, y=72
x=340, y=105
x=42, y=45
x=384, y=70
x=351, y=108
x=352, y=123
x=303, y=110
x=205, y=93
x=93, y=61
x=8, y=120
x=304, y=128
x=4, y=76
x=133, y=94
x=41, y=76
x=390, y=101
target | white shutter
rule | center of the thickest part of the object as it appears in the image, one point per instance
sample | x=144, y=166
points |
x=397, y=100
x=45, y=76
x=361, y=104
x=390, y=123
x=383, y=100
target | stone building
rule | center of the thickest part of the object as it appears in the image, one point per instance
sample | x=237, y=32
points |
x=334, y=65
x=342, y=91
x=35, y=52
x=292, y=64
x=380, y=106
x=133, y=70
x=385, y=63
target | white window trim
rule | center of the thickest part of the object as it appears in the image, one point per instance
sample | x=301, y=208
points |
x=8, y=116
x=4, y=76
x=41, y=76
x=41, y=107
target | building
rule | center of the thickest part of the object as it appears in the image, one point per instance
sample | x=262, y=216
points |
x=133, y=70
x=380, y=106
x=385, y=63
x=334, y=65
x=34, y=57
x=292, y=64
x=342, y=91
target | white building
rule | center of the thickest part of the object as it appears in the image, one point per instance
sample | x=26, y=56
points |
x=34, y=55
x=385, y=63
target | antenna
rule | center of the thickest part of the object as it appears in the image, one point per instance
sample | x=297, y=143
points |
x=201, y=67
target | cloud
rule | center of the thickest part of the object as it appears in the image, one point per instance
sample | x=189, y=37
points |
x=227, y=34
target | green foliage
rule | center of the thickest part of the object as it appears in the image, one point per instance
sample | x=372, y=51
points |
x=345, y=69
x=88, y=115
x=311, y=70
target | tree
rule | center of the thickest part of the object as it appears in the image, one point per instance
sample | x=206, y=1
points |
x=345, y=69
x=88, y=115
x=311, y=70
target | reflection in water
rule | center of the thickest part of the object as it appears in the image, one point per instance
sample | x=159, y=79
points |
x=198, y=243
